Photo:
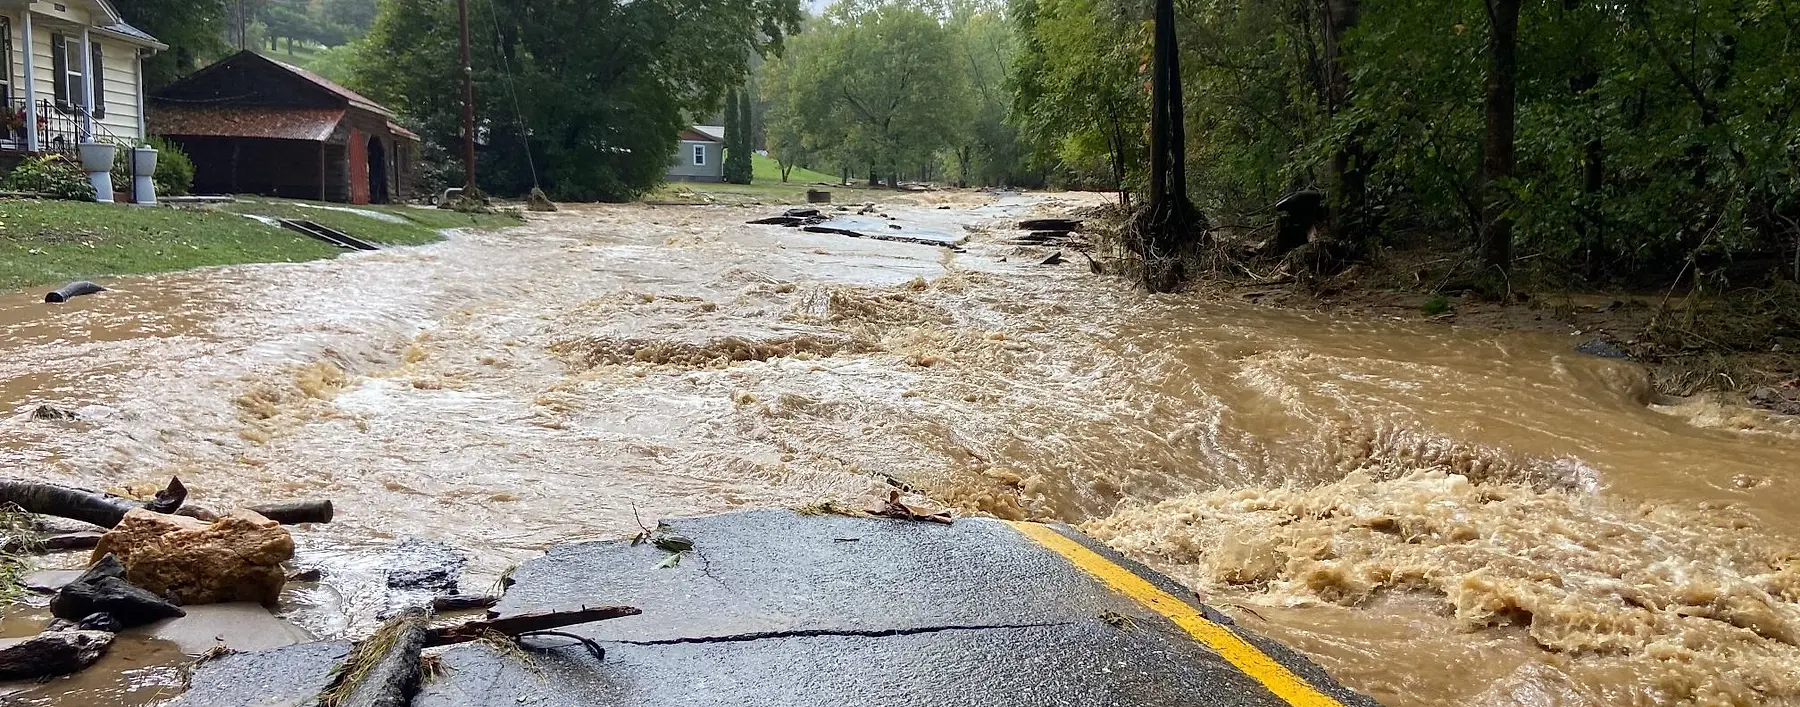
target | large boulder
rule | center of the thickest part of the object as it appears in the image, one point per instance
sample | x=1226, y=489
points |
x=235, y=558
x=51, y=653
x=102, y=589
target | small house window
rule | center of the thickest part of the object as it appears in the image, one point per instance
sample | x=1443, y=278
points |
x=71, y=86
x=699, y=155
x=6, y=63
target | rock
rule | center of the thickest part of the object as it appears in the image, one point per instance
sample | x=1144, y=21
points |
x=50, y=581
x=103, y=589
x=818, y=196
x=242, y=626
x=425, y=565
x=100, y=622
x=310, y=574
x=49, y=413
x=51, y=653
x=1602, y=348
x=236, y=558
x=537, y=200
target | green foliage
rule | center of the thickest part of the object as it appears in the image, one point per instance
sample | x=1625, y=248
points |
x=1078, y=97
x=1647, y=134
x=872, y=84
x=738, y=166
x=594, y=92
x=1438, y=304
x=174, y=169
x=51, y=175
x=193, y=29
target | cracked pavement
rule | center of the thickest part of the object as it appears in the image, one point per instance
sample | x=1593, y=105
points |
x=777, y=609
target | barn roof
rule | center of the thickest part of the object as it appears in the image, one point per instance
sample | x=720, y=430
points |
x=313, y=124
x=355, y=99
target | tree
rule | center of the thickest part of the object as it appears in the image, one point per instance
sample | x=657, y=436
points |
x=1497, y=147
x=738, y=165
x=1078, y=97
x=193, y=29
x=597, y=90
x=876, y=86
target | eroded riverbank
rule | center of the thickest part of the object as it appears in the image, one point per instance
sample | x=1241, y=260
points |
x=1439, y=515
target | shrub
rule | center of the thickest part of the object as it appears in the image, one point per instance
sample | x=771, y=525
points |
x=174, y=169
x=51, y=175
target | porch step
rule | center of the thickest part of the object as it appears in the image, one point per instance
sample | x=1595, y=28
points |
x=329, y=235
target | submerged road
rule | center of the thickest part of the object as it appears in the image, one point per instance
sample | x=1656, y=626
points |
x=779, y=608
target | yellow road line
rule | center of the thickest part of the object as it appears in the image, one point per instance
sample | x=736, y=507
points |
x=1241, y=653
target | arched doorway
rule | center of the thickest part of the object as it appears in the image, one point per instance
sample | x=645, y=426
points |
x=378, y=171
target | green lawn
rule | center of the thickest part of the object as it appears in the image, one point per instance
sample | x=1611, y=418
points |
x=52, y=242
x=768, y=171
x=421, y=226
x=765, y=187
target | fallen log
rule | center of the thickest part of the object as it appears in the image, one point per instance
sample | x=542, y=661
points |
x=296, y=512
x=383, y=671
x=1050, y=224
x=519, y=624
x=463, y=602
x=106, y=510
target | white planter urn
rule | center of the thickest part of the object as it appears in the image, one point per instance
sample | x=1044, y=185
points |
x=143, y=171
x=97, y=161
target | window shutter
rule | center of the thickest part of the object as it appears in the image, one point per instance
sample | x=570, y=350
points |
x=99, y=79
x=59, y=60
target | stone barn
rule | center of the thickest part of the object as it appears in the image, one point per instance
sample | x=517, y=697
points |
x=254, y=125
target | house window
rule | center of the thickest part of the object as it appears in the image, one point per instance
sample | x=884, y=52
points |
x=71, y=86
x=6, y=65
x=699, y=155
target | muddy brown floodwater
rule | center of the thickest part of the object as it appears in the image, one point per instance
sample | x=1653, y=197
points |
x=1440, y=516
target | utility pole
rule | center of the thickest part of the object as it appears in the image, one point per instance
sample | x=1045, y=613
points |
x=468, y=71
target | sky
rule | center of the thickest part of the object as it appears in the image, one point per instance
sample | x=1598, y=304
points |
x=818, y=6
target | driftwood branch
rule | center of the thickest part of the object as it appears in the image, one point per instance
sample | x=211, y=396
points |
x=106, y=510
x=296, y=512
x=519, y=624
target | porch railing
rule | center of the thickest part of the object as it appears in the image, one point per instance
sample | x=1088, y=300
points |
x=58, y=130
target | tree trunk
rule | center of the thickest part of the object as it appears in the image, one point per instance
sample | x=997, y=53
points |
x=1171, y=225
x=1497, y=146
x=1349, y=169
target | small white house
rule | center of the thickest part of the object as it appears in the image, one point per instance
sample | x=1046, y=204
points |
x=701, y=156
x=70, y=71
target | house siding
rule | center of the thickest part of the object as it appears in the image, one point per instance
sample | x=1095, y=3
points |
x=123, y=109
x=684, y=169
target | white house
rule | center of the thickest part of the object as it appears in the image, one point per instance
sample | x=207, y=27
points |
x=72, y=70
x=701, y=155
